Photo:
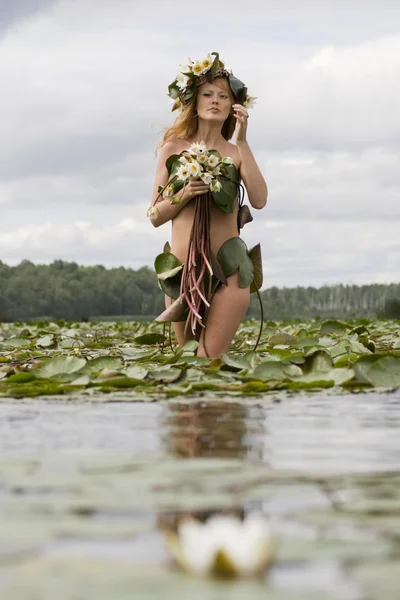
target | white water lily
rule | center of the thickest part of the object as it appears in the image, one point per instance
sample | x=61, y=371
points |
x=182, y=80
x=187, y=68
x=227, y=160
x=198, y=149
x=153, y=212
x=217, y=170
x=183, y=160
x=206, y=63
x=202, y=148
x=194, y=169
x=183, y=172
x=215, y=185
x=202, y=159
x=223, y=545
x=250, y=101
x=197, y=68
x=213, y=160
x=206, y=178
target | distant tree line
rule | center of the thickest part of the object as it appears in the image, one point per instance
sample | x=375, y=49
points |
x=69, y=291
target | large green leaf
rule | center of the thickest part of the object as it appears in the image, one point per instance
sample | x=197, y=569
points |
x=101, y=362
x=225, y=199
x=271, y=370
x=169, y=273
x=165, y=262
x=256, y=259
x=148, y=339
x=173, y=90
x=59, y=366
x=238, y=88
x=233, y=255
x=172, y=163
x=15, y=342
x=166, y=375
x=385, y=372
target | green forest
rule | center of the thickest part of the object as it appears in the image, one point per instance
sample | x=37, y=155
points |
x=66, y=290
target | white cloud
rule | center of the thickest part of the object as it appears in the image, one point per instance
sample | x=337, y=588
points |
x=86, y=100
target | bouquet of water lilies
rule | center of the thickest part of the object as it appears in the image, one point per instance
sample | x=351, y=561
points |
x=218, y=172
x=222, y=177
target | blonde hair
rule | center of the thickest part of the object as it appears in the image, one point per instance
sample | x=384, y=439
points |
x=186, y=124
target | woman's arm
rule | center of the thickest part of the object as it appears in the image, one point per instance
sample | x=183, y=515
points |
x=256, y=187
x=253, y=180
x=165, y=210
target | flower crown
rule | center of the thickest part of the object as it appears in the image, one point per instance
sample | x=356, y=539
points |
x=194, y=73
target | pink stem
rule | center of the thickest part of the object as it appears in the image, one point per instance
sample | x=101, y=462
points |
x=192, y=306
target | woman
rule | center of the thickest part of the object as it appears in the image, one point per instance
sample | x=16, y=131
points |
x=213, y=107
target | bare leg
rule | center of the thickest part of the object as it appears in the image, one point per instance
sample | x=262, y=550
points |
x=228, y=308
x=179, y=326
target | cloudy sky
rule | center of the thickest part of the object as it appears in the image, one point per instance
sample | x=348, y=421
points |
x=83, y=104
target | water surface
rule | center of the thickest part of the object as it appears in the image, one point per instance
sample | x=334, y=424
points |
x=87, y=487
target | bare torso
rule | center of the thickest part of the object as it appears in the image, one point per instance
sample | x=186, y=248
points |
x=223, y=225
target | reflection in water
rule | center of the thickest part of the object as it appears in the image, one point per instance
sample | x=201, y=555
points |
x=212, y=429
x=207, y=430
x=169, y=521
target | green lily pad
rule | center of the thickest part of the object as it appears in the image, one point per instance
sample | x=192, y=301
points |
x=45, y=341
x=385, y=372
x=282, y=338
x=236, y=363
x=101, y=362
x=149, y=339
x=21, y=378
x=270, y=370
x=333, y=326
x=166, y=375
x=334, y=376
x=169, y=273
x=136, y=372
x=233, y=255
x=60, y=365
x=17, y=342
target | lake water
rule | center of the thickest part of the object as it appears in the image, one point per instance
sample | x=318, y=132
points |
x=88, y=486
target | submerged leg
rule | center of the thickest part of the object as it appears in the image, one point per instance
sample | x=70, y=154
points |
x=228, y=308
x=179, y=326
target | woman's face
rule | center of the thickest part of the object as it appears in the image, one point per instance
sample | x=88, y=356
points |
x=214, y=100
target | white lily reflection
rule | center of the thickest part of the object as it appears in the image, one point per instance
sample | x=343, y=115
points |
x=223, y=546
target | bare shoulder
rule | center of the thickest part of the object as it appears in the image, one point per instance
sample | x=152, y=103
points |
x=173, y=147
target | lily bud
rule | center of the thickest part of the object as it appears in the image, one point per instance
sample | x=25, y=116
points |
x=153, y=212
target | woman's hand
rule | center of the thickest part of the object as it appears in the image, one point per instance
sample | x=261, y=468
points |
x=242, y=115
x=195, y=187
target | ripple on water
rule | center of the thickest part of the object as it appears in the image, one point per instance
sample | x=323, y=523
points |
x=86, y=487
